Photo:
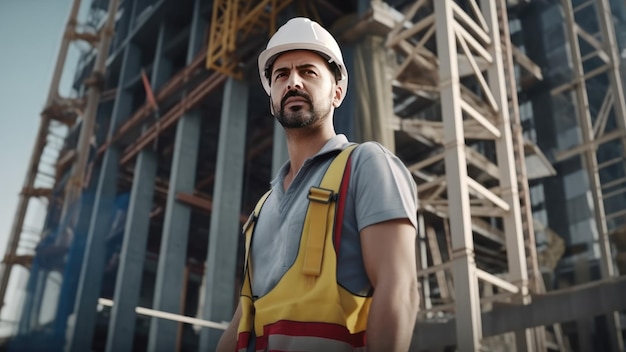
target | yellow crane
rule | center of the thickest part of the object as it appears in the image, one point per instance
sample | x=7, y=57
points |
x=232, y=23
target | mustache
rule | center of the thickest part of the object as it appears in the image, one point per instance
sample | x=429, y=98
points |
x=295, y=93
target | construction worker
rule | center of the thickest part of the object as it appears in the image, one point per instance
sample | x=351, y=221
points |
x=355, y=286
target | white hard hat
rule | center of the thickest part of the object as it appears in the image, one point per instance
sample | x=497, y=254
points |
x=301, y=33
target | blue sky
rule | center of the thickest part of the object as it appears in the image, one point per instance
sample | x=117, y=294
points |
x=30, y=36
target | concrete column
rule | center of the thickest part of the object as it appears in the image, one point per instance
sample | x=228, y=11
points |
x=80, y=335
x=173, y=253
x=130, y=272
x=373, y=98
x=225, y=224
x=467, y=304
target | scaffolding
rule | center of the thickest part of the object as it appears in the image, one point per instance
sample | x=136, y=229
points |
x=58, y=113
x=475, y=124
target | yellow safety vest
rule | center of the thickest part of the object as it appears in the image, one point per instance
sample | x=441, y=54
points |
x=308, y=310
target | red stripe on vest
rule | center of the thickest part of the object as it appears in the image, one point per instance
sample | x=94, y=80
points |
x=321, y=330
x=243, y=339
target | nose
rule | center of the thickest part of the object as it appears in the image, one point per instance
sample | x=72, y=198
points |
x=294, y=82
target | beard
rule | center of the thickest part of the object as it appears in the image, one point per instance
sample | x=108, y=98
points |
x=300, y=116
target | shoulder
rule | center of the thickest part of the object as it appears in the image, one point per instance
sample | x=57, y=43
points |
x=374, y=152
x=373, y=161
x=382, y=186
x=373, y=147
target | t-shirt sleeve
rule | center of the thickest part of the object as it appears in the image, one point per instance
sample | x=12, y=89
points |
x=383, y=187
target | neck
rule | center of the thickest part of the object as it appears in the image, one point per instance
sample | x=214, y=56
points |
x=303, y=144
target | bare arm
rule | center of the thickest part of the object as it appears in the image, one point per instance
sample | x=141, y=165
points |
x=228, y=341
x=389, y=258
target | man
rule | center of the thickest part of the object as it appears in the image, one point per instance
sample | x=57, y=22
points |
x=365, y=296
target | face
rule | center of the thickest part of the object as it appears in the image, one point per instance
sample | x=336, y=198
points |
x=303, y=90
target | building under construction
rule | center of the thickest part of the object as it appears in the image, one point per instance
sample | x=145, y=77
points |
x=509, y=114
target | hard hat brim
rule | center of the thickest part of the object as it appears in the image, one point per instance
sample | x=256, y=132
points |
x=268, y=56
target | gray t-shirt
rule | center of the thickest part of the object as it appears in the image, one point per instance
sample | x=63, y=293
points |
x=380, y=189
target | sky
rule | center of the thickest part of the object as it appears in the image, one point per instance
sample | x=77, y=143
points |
x=30, y=37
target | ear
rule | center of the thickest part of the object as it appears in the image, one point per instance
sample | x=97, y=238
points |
x=338, y=96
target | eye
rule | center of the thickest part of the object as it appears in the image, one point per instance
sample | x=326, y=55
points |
x=278, y=75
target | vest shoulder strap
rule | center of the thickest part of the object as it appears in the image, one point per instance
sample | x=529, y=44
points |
x=322, y=211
